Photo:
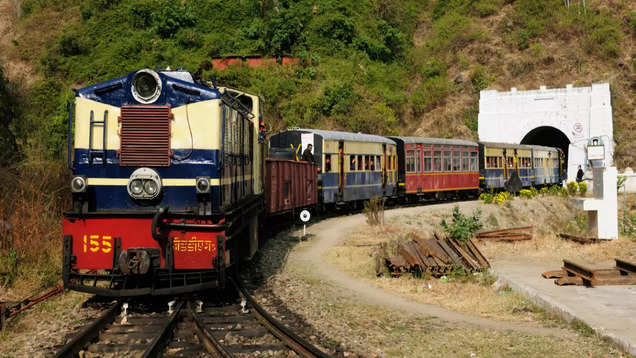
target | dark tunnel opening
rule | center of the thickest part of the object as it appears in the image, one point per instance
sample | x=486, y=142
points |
x=548, y=136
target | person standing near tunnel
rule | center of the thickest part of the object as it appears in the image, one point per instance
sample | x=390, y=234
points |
x=579, y=175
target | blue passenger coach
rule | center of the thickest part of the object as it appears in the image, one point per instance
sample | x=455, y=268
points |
x=351, y=166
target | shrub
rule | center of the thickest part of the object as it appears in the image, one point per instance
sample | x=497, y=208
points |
x=502, y=197
x=544, y=190
x=170, y=16
x=487, y=198
x=582, y=188
x=526, y=194
x=480, y=79
x=461, y=226
x=337, y=99
x=572, y=187
x=430, y=94
x=374, y=211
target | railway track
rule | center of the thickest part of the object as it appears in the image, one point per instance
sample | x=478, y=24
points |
x=193, y=328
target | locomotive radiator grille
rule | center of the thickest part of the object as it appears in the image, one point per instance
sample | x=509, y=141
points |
x=145, y=136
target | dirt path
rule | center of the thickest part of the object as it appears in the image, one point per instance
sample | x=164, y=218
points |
x=333, y=231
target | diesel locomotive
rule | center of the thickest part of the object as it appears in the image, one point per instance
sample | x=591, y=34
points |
x=170, y=179
x=167, y=184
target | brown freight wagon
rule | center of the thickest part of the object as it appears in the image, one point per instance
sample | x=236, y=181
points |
x=289, y=185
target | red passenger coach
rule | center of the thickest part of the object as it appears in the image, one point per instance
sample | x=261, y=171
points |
x=431, y=165
x=289, y=185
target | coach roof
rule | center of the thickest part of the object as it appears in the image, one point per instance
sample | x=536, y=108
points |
x=346, y=136
x=425, y=140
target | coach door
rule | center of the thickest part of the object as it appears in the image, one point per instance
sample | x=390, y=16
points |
x=385, y=162
x=341, y=173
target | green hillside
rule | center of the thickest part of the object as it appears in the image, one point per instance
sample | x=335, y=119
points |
x=388, y=67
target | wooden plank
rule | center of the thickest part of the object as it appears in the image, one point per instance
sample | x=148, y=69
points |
x=438, y=251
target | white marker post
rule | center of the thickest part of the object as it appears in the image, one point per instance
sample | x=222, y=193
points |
x=305, y=215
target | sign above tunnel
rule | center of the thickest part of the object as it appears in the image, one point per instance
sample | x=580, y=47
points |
x=568, y=120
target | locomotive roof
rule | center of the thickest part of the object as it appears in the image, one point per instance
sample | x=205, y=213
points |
x=426, y=140
x=519, y=146
x=346, y=136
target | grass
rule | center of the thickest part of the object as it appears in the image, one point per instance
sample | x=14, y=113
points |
x=30, y=237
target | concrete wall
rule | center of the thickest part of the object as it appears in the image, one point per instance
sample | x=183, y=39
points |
x=578, y=112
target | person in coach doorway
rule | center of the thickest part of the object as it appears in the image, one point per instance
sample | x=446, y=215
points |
x=307, y=156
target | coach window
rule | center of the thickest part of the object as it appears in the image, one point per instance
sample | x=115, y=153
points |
x=360, y=162
x=473, y=161
x=437, y=161
x=418, y=161
x=352, y=163
x=410, y=161
x=378, y=163
x=456, y=161
x=327, y=163
x=447, y=161
x=427, y=161
x=465, y=162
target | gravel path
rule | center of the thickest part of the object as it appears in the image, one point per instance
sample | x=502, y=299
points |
x=331, y=232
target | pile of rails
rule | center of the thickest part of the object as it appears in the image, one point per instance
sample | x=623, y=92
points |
x=577, y=273
x=512, y=234
x=436, y=257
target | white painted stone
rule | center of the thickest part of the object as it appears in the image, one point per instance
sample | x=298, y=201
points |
x=602, y=210
x=579, y=112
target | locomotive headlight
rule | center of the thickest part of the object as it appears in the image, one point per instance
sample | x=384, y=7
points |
x=150, y=187
x=203, y=185
x=78, y=184
x=146, y=86
x=144, y=183
x=136, y=186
